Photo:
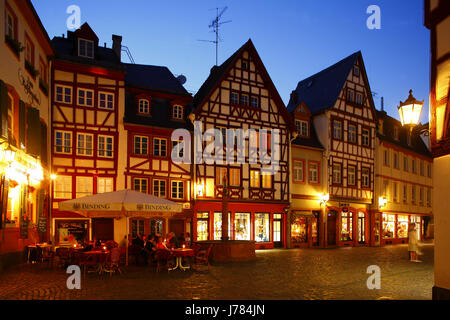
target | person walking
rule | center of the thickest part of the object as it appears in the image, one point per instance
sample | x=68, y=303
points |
x=413, y=246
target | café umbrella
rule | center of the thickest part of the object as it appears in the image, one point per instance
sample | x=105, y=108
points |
x=123, y=203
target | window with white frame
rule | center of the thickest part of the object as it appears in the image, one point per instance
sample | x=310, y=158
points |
x=337, y=173
x=365, y=137
x=351, y=133
x=178, y=148
x=63, y=94
x=266, y=180
x=302, y=127
x=84, y=186
x=234, y=98
x=221, y=172
x=177, y=112
x=85, y=144
x=254, y=178
x=337, y=129
x=365, y=177
x=140, y=185
x=10, y=24
x=105, y=146
x=63, y=187
x=359, y=98
x=244, y=100
x=85, y=97
x=254, y=102
x=299, y=171
x=63, y=142
x=177, y=190
x=313, y=172
x=144, y=106
x=105, y=184
x=159, y=188
x=106, y=100
x=140, y=145
x=235, y=177
x=85, y=48
x=159, y=147
x=351, y=175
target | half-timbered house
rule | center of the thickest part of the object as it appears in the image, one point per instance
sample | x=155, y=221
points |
x=87, y=115
x=308, y=182
x=25, y=58
x=156, y=105
x=239, y=94
x=343, y=113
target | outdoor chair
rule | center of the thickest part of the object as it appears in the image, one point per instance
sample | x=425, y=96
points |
x=112, y=262
x=86, y=261
x=63, y=255
x=162, y=258
x=202, y=257
x=45, y=254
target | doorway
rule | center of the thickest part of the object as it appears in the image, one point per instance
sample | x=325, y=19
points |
x=103, y=229
x=361, y=228
x=177, y=227
x=331, y=228
x=277, y=230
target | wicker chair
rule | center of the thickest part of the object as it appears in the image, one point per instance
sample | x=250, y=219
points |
x=202, y=257
x=162, y=258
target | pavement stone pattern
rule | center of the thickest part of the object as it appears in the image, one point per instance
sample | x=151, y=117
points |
x=297, y=274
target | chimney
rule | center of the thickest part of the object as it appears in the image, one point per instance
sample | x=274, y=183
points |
x=117, y=45
x=382, y=103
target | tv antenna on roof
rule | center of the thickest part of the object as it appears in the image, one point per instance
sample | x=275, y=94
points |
x=215, y=25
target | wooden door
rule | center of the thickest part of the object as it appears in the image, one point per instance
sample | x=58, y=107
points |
x=176, y=226
x=331, y=228
x=103, y=229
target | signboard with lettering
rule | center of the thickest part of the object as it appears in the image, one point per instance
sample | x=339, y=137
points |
x=23, y=228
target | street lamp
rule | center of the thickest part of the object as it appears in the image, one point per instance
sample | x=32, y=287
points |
x=323, y=198
x=382, y=201
x=410, y=111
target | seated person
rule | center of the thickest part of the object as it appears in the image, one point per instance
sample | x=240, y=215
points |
x=161, y=245
x=173, y=241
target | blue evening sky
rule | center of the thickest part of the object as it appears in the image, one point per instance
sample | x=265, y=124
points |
x=295, y=39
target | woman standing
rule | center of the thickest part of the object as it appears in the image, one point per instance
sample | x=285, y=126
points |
x=413, y=243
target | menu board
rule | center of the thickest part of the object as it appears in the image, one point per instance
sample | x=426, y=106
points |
x=23, y=228
x=42, y=224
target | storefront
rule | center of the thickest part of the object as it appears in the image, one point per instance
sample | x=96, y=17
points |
x=347, y=226
x=264, y=224
x=304, y=229
x=395, y=227
x=180, y=224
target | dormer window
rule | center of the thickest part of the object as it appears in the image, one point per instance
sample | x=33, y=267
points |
x=396, y=133
x=144, y=106
x=177, y=112
x=302, y=128
x=85, y=48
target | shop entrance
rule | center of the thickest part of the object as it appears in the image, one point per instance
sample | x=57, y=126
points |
x=177, y=227
x=361, y=228
x=331, y=228
x=103, y=229
x=277, y=231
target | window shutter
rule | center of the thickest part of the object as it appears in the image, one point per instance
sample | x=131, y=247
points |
x=22, y=123
x=33, y=132
x=44, y=154
x=3, y=110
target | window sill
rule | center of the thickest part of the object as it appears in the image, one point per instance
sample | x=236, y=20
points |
x=14, y=45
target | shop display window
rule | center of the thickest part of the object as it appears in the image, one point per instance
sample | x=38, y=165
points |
x=402, y=226
x=388, y=226
x=299, y=230
x=218, y=226
x=71, y=232
x=347, y=226
x=262, y=227
x=242, y=226
x=202, y=226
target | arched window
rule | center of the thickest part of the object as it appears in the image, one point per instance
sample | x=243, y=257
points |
x=144, y=106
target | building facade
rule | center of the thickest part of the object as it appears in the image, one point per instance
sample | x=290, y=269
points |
x=403, y=183
x=239, y=94
x=156, y=105
x=308, y=182
x=344, y=119
x=87, y=131
x=25, y=53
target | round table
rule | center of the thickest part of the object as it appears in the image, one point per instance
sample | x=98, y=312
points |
x=100, y=258
x=179, y=254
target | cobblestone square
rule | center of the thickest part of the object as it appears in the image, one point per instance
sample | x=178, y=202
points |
x=300, y=274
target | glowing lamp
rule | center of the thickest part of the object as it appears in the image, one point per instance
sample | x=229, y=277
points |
x=410, y=111
x=324, y=198
x=53, y=176
x=200, y=189
x=382, y=201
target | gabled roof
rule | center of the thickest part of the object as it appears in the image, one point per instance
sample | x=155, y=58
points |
x=218, y=73
x=86, y=32
x=417, y=144
x=321, y=90
x=153, y=78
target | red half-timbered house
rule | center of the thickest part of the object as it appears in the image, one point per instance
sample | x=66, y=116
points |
x=156, y=105
x=87, y=110
x=239, y=94
x=343, y=112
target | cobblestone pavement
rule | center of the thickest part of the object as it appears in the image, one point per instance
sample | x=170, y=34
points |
x=276, y=274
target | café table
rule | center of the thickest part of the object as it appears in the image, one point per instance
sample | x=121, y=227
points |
x=179, y=254
x=32, y=247
x=99, y=257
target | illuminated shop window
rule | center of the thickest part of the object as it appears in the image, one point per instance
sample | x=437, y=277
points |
x=388, y=226
x=218, y=226
x=202, y=226
x=402, y=226
x=242, y=226
x=262, y=227
x=347, y=226
x=299, y=230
